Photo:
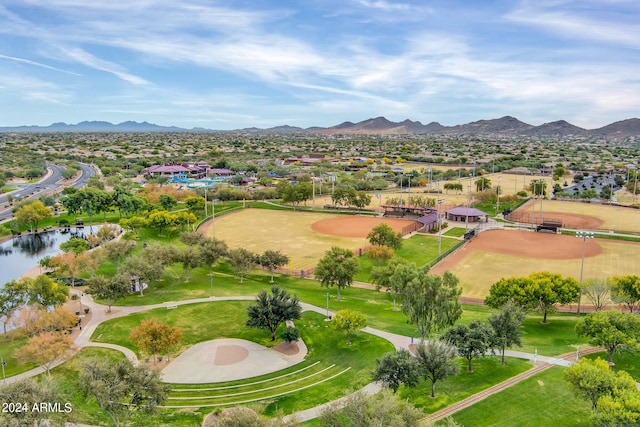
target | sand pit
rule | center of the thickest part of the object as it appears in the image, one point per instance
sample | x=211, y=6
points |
x=524, y=244
x=229, y=359
x=356, y=226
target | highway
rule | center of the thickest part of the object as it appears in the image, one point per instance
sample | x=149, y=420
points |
x=48, y=185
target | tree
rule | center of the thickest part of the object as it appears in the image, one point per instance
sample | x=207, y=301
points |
x=121, y=388
x=290, y=334
x=470, y=341
x=72, y=202
x=12, y=295
x=32, y=213
x=43, y=349
x=135, y=223
x=191, y=238
x=194, y=203
x=109, y=289
x=271, y=260
x=75, y=245
x=482, y=184
x=382, y=277
x=45, y=291
x=161, y=220
x=190, y=258
x=383, y=235
x=437, y=362
x=549, y=289
x=60, y=319
x=380, y=409
x=622, y=409
x=72, y=263
x=154, y=336
x=397, y=368
x=269, y=311
x=430, y=301
x=33, y=391
x=167, y=202
x=598, y=292
x=142, y=268
x=610, y=329
x=212, y=250
x=380, y=253
x=242, y=261
x=541, y=291
x=348, y=321
x=626, y=290
x=594, y=379
x=511, y=290
x=337, y=268
x=117, y=250
x=507, y=328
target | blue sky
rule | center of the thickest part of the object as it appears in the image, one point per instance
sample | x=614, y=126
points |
x=234, y=64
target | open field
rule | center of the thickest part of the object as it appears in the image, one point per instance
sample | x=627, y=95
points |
x=303, y=236
x=495, y=254
x=585, y=215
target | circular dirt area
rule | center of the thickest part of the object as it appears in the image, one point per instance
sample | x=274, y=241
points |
x=356, y=226
x=230, y=354
x=525, y=244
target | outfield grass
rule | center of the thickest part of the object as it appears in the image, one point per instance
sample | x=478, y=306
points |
x=542, y=400
x=480, y=269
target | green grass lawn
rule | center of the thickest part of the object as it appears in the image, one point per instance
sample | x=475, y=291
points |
x=455, y=232
x=542, y=400
x=556, y=337
x=325, y=346
x=419, y=249
x=7, y=348
x=487, y=371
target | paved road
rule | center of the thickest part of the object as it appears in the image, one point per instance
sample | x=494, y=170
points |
x=49, y=184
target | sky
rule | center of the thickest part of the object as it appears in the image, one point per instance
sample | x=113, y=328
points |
x=235, y=64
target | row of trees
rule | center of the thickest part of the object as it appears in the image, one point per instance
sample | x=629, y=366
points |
x=435, y=360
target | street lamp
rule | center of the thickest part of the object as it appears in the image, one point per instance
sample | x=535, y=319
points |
x=584, y=235
x=440, y=201
x=327, y=318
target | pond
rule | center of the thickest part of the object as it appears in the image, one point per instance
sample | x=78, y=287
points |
x=22, y=253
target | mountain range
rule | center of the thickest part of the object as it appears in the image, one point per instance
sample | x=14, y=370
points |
x=505, y=126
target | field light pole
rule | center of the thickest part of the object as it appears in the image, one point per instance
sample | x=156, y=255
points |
x=584, y=235
x=498, y=194
x=440, y=201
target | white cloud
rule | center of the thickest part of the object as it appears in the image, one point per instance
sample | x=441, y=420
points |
x=570, y=23
x=89, y=60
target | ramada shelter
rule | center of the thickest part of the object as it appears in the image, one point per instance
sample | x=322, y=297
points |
x=464, y=214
